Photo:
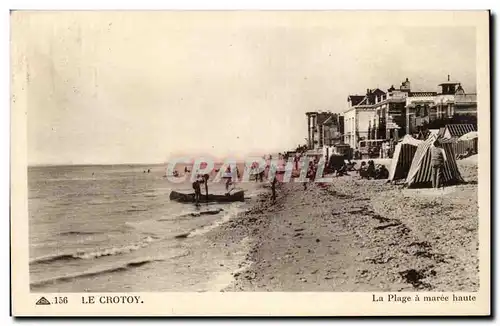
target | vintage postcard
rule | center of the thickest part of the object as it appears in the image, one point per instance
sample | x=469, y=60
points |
x=250, y=163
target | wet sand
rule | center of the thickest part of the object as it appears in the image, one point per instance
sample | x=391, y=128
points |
x=358, y=235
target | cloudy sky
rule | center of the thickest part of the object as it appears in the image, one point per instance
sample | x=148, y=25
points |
x=143, y=87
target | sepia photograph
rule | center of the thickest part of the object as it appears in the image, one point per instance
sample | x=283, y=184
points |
x=237, y=152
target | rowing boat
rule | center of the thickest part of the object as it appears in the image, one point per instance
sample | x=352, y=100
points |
x=188, y=197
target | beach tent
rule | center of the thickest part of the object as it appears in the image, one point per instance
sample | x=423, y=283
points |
x=469, y=136
x=402, y=158
x=462, y=137
x=465, y=142
x=421, y=171
x=456, y=130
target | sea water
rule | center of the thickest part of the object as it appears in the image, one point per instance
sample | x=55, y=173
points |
x=113, y=229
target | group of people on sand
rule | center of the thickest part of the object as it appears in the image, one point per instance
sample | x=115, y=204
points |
x=367, y=170
x=372, y=171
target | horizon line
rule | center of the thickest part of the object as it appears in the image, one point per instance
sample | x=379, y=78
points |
x=109, y=164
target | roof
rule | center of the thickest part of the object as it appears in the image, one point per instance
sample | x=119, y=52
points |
x=377, y=91
x=457, y=130
x=412, y=94
x=465, y=98
x=328, y=120
x=326, y=117
x=355, y=99
x=364, y=101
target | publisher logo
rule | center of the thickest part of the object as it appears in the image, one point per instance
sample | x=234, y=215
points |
x=42, y=302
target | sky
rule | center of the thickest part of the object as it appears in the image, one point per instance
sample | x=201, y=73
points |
x=111, y=87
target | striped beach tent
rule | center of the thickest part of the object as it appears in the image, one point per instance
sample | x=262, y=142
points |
x=456, y=130
x=421, y=171
x=402, y=158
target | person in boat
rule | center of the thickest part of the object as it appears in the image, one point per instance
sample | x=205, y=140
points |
x=204, y=179
x=227, y=176
x=197, y=189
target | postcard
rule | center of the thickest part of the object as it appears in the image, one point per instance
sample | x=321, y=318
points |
x=250, y=163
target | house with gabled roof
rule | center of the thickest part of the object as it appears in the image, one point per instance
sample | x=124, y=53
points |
x=357, y=116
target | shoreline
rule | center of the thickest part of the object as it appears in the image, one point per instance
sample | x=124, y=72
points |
x=357, y=235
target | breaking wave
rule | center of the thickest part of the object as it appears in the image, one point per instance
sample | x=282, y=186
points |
x=97, y=253
x=66, y=278
x=122, y=267
x=229, y=214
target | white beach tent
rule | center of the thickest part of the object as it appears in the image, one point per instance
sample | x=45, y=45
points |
x=466, y=142
x=420, y=173
x=469, y=136
x=402, y=157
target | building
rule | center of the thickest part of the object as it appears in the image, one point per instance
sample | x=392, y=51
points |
x=434, y=110
x=324, y=129
x=403, y=111
x=389, y=112
x=359, y=114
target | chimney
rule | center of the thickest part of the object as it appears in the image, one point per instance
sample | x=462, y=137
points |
x=406, y=78
x=448, y=77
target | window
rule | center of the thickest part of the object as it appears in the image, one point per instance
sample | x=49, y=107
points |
x=425, y=110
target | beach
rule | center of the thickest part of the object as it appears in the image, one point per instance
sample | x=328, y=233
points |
x=357, y=235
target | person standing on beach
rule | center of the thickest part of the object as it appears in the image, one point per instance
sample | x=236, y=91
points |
x=273, y=188
x=311, y=172
x=438, y=158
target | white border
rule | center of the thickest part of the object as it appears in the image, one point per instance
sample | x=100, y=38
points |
x=144, y=4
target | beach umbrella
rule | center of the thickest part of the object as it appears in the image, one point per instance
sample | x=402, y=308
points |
x=469, y=136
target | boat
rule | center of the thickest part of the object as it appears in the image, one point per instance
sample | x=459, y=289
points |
x=188, y=196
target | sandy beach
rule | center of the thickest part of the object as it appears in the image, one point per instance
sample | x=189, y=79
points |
x=358, y=235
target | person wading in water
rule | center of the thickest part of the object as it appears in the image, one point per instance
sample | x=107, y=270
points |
x=197, y=189
x=228, y=177
x=438, y=158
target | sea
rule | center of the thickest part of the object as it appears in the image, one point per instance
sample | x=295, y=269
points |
x=112, y=228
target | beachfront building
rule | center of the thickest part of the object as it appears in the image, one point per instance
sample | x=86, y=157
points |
x=358, y=116
x=434, y=110
x=402, y=111
x=324, y=129
x=389, y=115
